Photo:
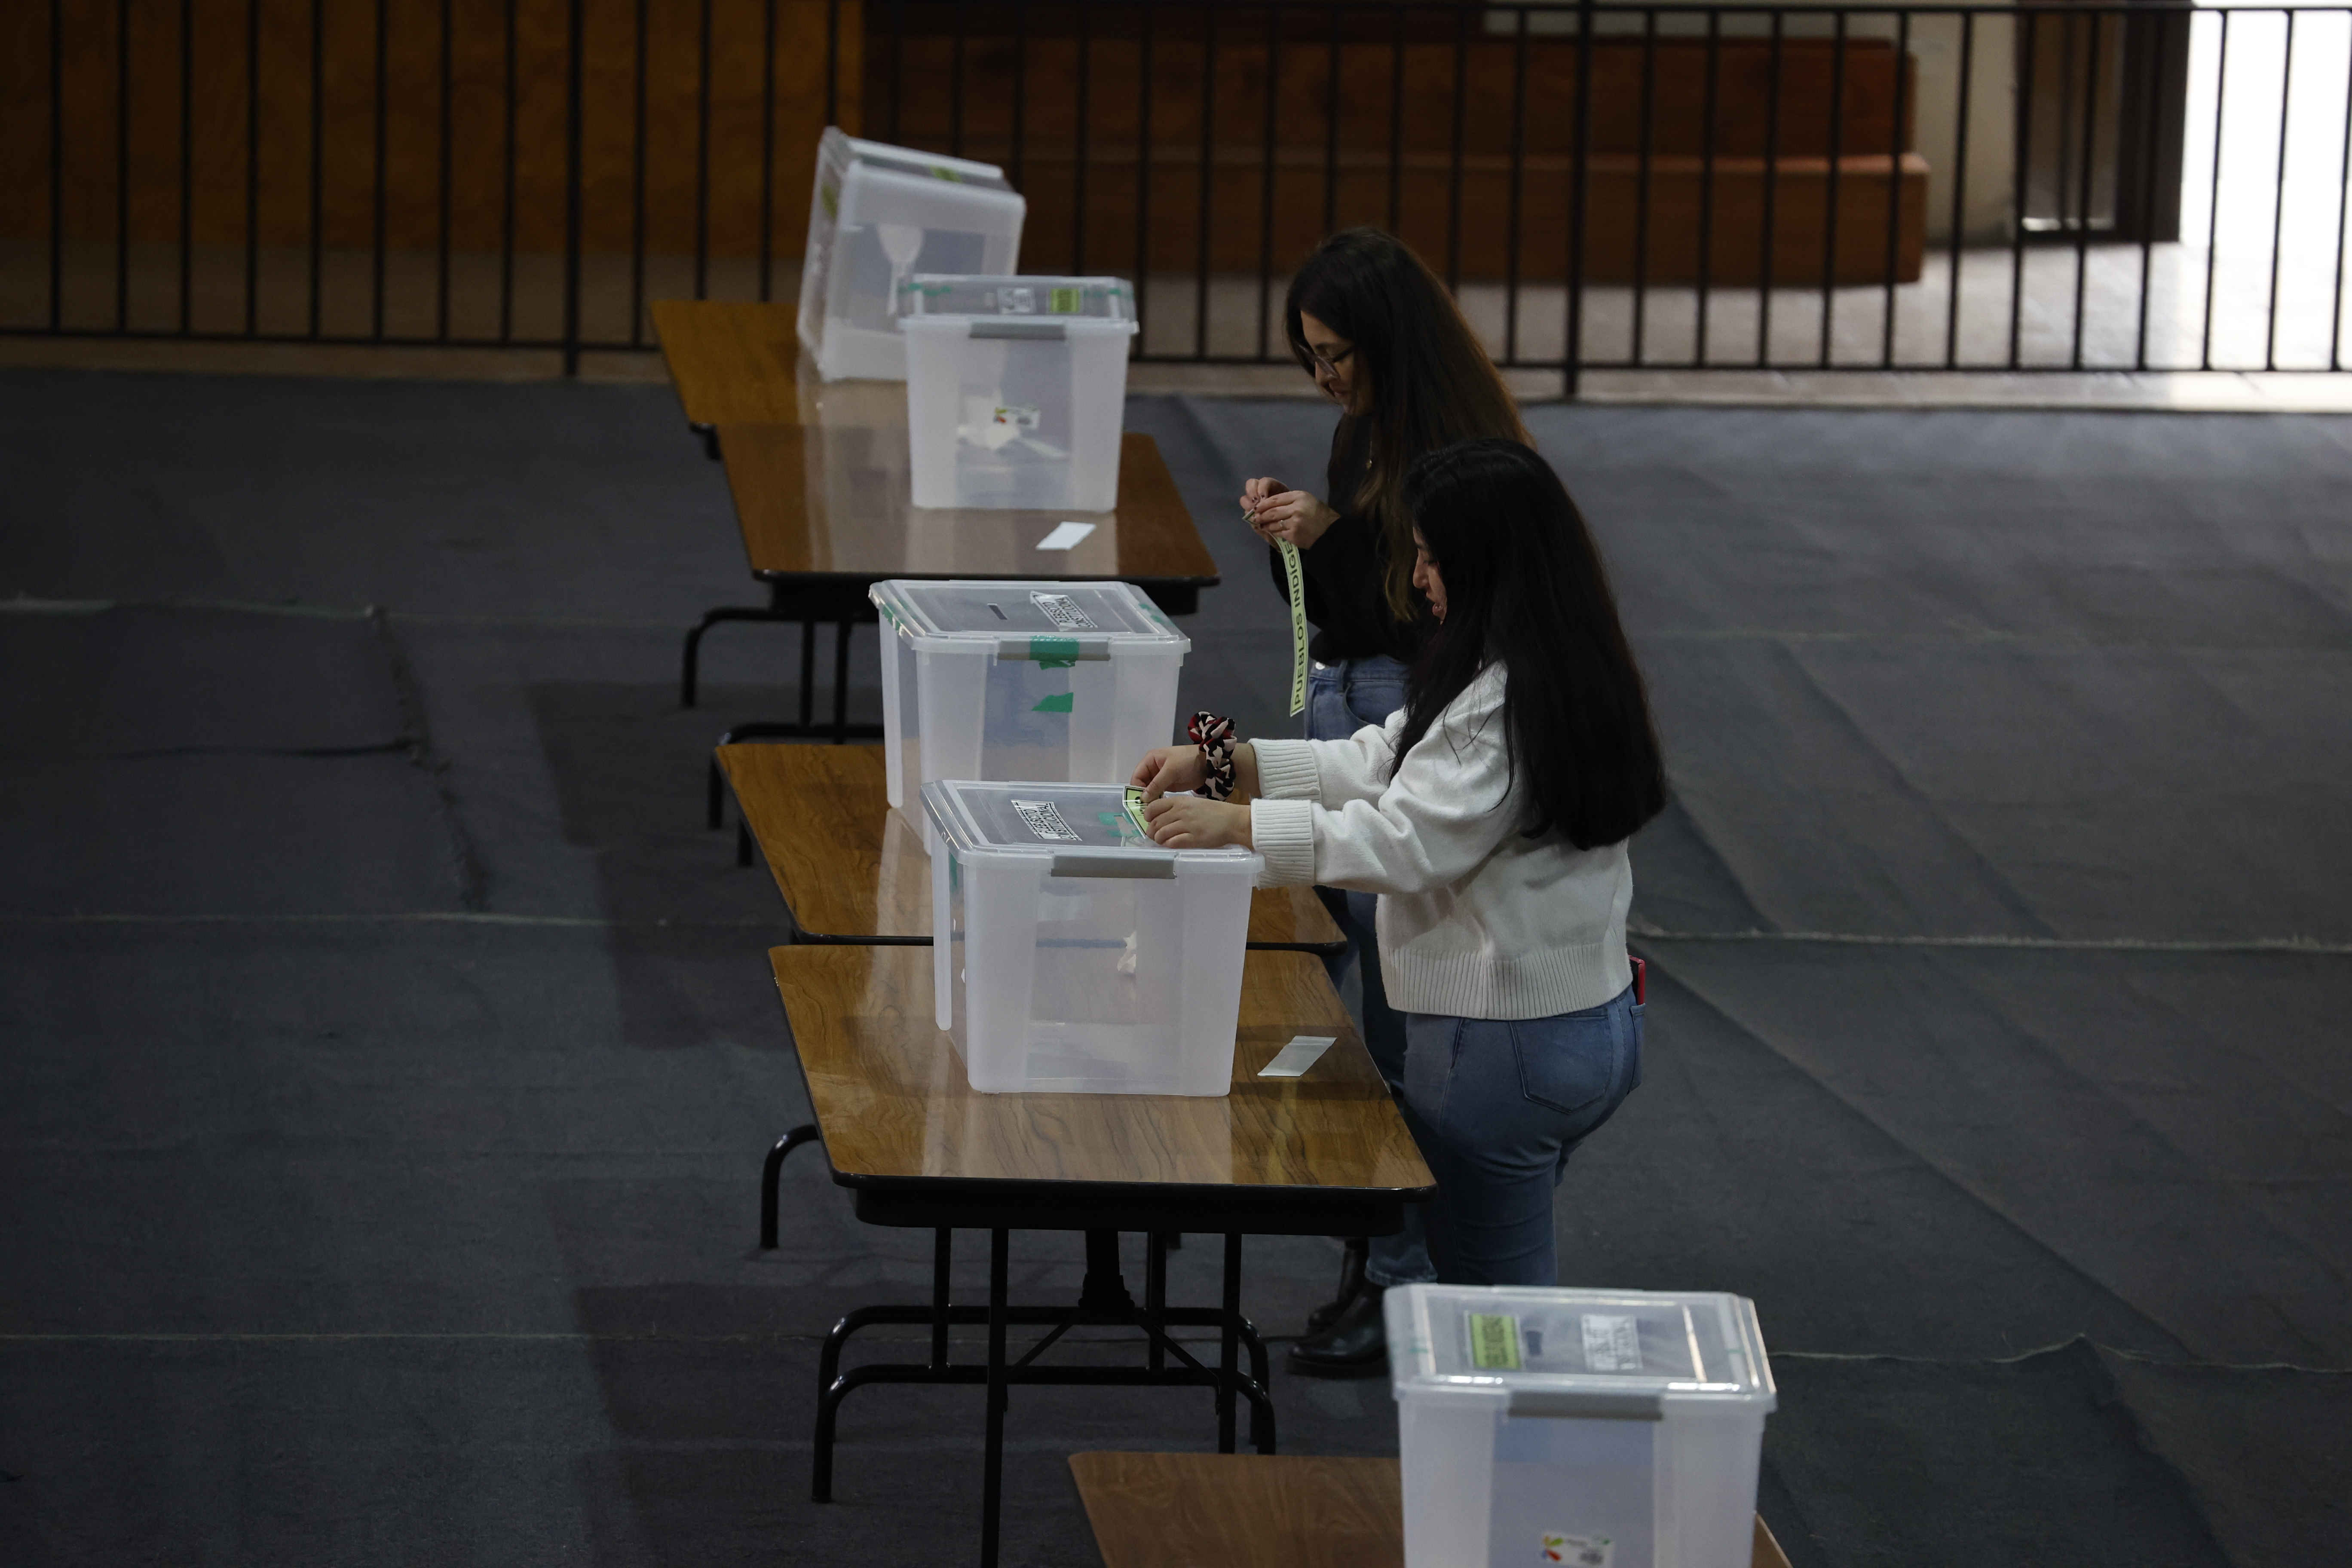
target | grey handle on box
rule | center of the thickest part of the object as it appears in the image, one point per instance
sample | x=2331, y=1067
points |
x=1090, y=650
x=1560, y=1404
x=1017, y=327
x=1124, y=863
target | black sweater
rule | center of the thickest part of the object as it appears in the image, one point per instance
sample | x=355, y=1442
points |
x=1345, y=574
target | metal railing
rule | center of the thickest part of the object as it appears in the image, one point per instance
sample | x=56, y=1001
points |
x=2051, y=186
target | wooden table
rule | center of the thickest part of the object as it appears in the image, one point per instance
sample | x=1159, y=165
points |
x=1252, y=1510
x=1323, y=1155
x=852, y=869
x=821, y=486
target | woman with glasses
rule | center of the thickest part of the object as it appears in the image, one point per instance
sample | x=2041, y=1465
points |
x=1384, y=340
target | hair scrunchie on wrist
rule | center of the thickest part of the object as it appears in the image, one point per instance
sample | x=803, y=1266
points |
x=1214, y=734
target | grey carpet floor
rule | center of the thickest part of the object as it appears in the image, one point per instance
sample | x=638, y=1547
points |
x=386, y=1051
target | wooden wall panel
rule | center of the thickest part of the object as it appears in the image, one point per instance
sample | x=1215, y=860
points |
x=238, y=143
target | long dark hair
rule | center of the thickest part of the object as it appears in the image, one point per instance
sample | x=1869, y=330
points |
x=1525, y=588
x=1431, y=382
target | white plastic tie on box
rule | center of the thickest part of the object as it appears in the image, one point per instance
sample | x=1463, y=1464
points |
x=1295, y=1058
x=1065, y=536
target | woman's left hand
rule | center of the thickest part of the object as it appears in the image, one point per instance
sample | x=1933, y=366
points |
x=1190, y=822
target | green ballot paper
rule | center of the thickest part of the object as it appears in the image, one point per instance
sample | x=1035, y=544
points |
x=1135, y=811
x=1298, y=628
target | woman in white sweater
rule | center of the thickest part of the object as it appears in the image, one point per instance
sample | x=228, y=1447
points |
x=1490, y=816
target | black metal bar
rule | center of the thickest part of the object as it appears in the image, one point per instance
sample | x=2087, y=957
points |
x=702, y=158
x=2343, y=210
x=318, y=153
x=767, y=152
x=898, y=64
x=507, y=214
x=1895, y=179
x=121, y=164
x=447, y=162
x=1959, y=190
x=1084, y=149
x=942, y=1253
x=1642, y=182
x=1143, y=165
x=1155, y=1284
x=637, y=183
x=2213, y=195
x=57, y=162
x=1518, y=176
x=1331, y=130
x=574, y=93
x=2083, y=201
x=2278, y=194
x=1396, y=118
x=188, y=161
x=2032, y=20
x=1706, y=181
x=2163, y=31
x=1266, y=181
x=1461, y=130
x=1208, y=127
x=1772, y=196
x=1015, y=166
x=1042, y=1346
x=992, y=1464
x=808, y=672
x=1228, y=1343
x=1580, y=165
x=772, y=1171
x=376, y=233
x=832, y=61
x=955, y=84
x=2065, y=114
x=1830, y=202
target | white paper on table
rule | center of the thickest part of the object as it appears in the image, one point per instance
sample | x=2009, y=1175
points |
x=1065, y=536
x=1295, y=1058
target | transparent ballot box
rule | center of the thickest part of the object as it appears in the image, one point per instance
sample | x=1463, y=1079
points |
x=878, y=216
x=1015, y=390
x=1023, y=681
x=1595, y=1428
x=1071, y=954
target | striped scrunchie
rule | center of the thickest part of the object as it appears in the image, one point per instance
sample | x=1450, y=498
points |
x=1214, y=734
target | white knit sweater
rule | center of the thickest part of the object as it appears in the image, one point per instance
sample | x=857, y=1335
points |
x=1475, y=920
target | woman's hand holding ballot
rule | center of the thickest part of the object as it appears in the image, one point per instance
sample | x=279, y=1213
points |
x=1183, y=821
x=1280, y=514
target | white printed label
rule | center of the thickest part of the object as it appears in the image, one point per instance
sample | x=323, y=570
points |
x=1044, y=819
x=1016, y=302
x=1612, y=1343
x=1063, y=611
x=1576, y=1550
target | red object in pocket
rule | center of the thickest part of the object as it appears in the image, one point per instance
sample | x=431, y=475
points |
x=1641, y=980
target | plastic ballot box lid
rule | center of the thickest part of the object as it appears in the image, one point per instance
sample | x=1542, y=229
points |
x=1570, y=1353
x=1084, y=828
x=1096, y=302
x=1005, y=617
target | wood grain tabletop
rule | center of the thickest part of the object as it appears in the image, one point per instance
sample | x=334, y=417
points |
x=849, y=866
x=894, y=1105
x=731, y=363
x=1258, y=1510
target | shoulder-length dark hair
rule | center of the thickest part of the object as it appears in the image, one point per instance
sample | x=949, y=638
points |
x=1430, y=382
x=1525, y=588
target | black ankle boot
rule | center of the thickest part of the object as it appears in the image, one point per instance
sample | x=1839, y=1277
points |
x=1351, y=1280
x=1356, y=1344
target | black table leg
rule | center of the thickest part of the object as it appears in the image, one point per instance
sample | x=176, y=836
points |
x=840, y=682
x=1155, y=1300
x=942, y=1248
x=1229, y=1346
x=771, y=1175
x=992, y=1474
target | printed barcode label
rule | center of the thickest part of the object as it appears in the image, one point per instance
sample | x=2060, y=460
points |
x=1612, y=1343
x=1494, y=1342
x=1576, y=1550
x=1016, y=302
x=1063, y=612
x=1067, y=301
x=1043, y=818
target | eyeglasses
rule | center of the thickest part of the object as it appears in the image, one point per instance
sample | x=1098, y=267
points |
x=1331, y=367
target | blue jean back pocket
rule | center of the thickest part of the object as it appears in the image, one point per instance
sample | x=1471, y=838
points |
x=1569, y=1061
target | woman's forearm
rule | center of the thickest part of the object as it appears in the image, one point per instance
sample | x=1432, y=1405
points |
x=1245, y=769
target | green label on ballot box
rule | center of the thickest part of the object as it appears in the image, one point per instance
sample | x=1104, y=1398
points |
x=1065, y=301
x=1494, y=1342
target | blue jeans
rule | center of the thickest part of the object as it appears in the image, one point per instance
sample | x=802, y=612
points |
x=1497, y=1107
x=1341, y=698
